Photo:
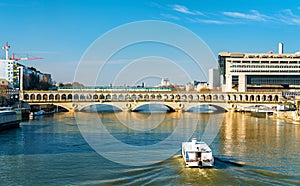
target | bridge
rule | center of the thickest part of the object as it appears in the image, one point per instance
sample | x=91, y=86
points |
x=132, y=100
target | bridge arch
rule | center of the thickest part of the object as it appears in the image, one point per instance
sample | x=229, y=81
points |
x=234, y=97
x=82, y=97
x=45, y=97
x=270, y=98
x=202, y=97
x=32, y=97
x=63, y=96
x=165, y=96
x=51, y=97
x=215, y=97
x=38, y=97
x=100, y=104
x=76, y=97
x=219, y=107
x=228, y=97
x=169, y=106
x=62, y=106
x=152, y=96
x=89, y=96
x=257, y=98
x=56, y=97
x=221, y=97
x=209, y=98
x=26, y=97
x=240, y=98
x=140, y=96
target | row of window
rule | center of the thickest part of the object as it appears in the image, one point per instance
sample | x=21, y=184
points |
x=126, y=97
x=251, y=70
x=266, y=62
x=264, y=66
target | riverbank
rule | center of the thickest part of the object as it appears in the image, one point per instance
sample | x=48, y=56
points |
x=287, y=116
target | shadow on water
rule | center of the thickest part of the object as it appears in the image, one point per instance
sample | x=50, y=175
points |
x=222, y=163
x=206, y=108
x=153, y=108
x=102, y=108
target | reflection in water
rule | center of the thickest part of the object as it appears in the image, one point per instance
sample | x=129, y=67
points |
x=248, y=151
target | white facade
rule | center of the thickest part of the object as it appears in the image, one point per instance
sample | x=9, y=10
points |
x=7, y=70
x=189, y=87
x=165, y=82
x=267, y=69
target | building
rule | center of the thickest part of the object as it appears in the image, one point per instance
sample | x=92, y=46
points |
x=214, y=78
x=19, y=76
x=33, y=79
x=258, y=71
x=8, y=69
x=165, y=82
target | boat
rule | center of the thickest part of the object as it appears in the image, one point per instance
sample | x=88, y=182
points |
x=42, y=112
x=261, y=111
x=23, y=112
x=8, y=118
x=197, y=154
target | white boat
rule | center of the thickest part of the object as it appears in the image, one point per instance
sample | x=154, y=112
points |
x=8, y=118
x=197, y=154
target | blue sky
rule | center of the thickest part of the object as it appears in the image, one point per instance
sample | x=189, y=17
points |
x=61, y=31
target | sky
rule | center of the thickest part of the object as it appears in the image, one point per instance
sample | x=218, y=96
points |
x=63, y=31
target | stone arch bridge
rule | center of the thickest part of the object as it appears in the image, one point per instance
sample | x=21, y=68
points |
x=131, y=100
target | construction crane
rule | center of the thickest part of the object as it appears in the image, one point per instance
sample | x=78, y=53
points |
x=6, y=48
x=24, y=58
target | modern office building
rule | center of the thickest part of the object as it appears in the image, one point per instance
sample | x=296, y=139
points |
x=251, y=71
x=8, y=70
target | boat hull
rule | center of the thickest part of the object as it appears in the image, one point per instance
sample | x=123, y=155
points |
x=9, y=125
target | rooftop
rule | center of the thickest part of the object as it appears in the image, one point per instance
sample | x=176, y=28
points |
x=258, y=55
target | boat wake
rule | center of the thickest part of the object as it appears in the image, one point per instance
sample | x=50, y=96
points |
x=224, y=163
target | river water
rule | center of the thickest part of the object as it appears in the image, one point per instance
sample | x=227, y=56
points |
x=53, y=151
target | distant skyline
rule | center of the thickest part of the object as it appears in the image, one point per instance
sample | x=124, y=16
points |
x=60, y=31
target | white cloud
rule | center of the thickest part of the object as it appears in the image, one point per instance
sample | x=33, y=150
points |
x=288, y=17
x=210, y=21
x=169, y=16
x=253, y=15
x=185, y=10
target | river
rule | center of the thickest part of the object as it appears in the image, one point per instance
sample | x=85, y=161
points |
x=53, y=150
